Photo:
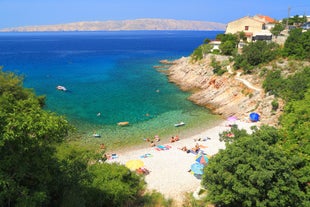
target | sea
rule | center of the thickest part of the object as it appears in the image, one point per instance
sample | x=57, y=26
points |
x=110, y=77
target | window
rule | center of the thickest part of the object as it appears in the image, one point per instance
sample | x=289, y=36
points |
x=246, y=28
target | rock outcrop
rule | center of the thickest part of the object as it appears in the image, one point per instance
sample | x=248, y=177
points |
x=227, y=95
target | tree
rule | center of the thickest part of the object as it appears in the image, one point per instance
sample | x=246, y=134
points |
x=35, y=170
x=227, y=47
x=229, y=43
x=273, y=82
x=256, y=53
x=297, y=44
x=277, y=29
x=250, y=172
x=27, y=138
x=115, y=185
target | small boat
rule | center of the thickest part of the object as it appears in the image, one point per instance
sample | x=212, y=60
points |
x=96, y=135
x=179, y=124
x=123, y=123
x=61, y=88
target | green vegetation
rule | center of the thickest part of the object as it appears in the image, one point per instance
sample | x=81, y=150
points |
x=38, y=167
x=252, y=172
x=277, y=29
x=271, y=166
x=297, y=45
x=217, y=67
x=291, y=88
x=200, y=51
x=254, y=54
x=268, y=168
x=296, y=20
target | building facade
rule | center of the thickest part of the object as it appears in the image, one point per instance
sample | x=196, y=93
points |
x=257, y=27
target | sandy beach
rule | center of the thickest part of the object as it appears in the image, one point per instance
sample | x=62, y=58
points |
x=169, y=168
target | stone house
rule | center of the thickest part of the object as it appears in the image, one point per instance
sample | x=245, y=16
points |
x=256, y=27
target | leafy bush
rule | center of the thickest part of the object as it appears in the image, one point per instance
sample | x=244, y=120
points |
x=250, y=172
x=229, y=43
x=217, y=68
x=292, y=88
x=297, y=44
x=115, y=185
x=273, y=82
x=199, y=52
x=256, y=53
x=275, y=105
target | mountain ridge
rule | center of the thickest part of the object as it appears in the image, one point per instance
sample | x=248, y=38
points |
x=119, y=25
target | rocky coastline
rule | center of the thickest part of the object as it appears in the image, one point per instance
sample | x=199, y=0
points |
x=231, y=94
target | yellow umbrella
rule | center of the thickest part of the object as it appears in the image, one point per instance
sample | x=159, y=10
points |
x=134, y=164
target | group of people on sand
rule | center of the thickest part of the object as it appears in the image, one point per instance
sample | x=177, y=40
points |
x=174, y=138
x=153, y=141
x=195, y=149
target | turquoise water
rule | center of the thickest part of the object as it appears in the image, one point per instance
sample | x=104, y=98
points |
x=110, y=73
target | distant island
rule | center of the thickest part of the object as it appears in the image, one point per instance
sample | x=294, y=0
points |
x=120, y=25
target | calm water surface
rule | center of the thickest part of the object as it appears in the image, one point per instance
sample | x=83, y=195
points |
x=110, y=73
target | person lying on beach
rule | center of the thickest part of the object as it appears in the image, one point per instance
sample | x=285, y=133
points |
x=185, y=149
x=174, y=139
x=156, y=138
x=152, y=144
x=201, y=139
x=196, y=148
x=142, y=171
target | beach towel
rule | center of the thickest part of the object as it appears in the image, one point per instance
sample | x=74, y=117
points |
x=146, y=155
x=162, y=147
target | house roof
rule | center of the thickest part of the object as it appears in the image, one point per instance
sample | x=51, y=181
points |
x=266, y=18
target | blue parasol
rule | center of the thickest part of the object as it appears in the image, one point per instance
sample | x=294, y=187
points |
x=197, y=168
x=254, y=117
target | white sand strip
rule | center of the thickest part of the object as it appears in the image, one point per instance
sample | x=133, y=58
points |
x=169, y=168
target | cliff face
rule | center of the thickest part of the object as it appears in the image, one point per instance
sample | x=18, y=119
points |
x=227, y=95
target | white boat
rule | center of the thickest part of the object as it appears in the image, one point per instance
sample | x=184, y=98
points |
x=96, y=135
x=179, y=124
x=61, y=88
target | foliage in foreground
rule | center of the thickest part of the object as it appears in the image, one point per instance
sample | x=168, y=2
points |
x=36, y=171
x=270, y=167
x=255, y=172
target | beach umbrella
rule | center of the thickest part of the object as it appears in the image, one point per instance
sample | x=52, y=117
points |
x=134, y=164
x=197, y=168
x=202, y=159
x=254, y=117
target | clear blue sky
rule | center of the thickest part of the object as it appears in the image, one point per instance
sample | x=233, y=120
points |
x=40, y=12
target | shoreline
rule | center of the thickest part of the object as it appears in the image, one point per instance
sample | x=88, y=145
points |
x=169, y=168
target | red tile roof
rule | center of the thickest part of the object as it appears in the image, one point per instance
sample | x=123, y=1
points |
x=267, y=18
